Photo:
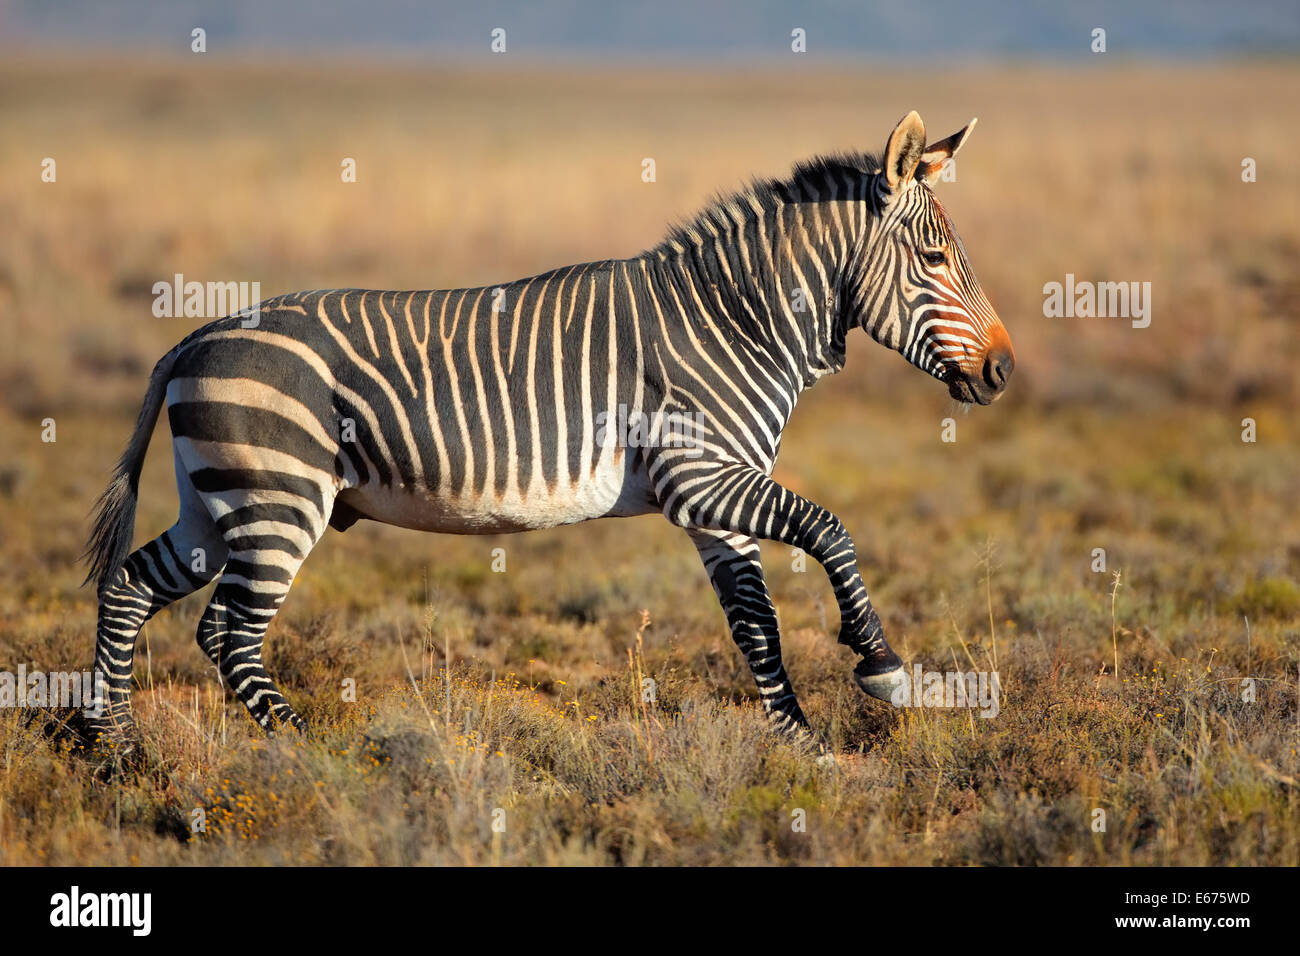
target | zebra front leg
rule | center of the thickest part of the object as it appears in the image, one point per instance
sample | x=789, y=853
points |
x=731, y=496
x=732, y=561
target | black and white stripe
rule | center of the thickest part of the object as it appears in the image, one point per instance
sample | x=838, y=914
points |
x=477, y=411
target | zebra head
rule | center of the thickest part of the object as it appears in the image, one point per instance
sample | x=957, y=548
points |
x=912, y=287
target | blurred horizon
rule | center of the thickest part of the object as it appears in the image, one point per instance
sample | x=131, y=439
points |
x=724, y=32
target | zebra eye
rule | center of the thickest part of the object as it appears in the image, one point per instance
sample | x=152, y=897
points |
x=935, y=257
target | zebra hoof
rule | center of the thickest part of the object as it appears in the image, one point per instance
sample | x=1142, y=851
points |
x=888, y=686
x=109, y=728
x=111, y=749
x=113, y=742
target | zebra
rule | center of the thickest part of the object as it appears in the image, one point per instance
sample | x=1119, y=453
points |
x=475, y=411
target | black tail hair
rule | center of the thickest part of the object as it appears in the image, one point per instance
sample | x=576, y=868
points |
x=114, y=521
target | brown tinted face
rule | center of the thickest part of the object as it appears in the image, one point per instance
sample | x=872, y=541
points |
x=913, y=289
x=947, y=326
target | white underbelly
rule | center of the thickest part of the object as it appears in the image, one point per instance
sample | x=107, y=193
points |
x=611, y=490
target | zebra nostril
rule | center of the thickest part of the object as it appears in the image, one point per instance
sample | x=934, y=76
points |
x=998, y=365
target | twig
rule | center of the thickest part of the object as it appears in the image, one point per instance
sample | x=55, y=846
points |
x=1114, y=640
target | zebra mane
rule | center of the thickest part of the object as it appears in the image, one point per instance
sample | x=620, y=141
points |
x=808, y=178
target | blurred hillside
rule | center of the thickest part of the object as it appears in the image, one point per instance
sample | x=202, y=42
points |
x=719, y=31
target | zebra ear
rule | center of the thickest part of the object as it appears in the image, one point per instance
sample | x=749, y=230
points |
x=936, y=154
x=903, y=152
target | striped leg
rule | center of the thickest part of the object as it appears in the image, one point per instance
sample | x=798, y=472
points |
x=733, y=564
x=176, y=563
x=268, y=544
x=735, y=497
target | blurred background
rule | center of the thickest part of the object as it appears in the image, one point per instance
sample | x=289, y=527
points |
x=475, y=166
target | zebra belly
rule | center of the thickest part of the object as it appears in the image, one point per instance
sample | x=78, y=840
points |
x=613, y=489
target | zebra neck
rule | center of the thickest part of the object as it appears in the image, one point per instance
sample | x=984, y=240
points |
x=767, y=282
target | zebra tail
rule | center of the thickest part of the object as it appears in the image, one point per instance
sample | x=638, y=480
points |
x=114, y=520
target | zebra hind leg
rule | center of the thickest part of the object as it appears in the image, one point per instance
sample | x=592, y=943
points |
x=257, y=577
x=175, y=564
